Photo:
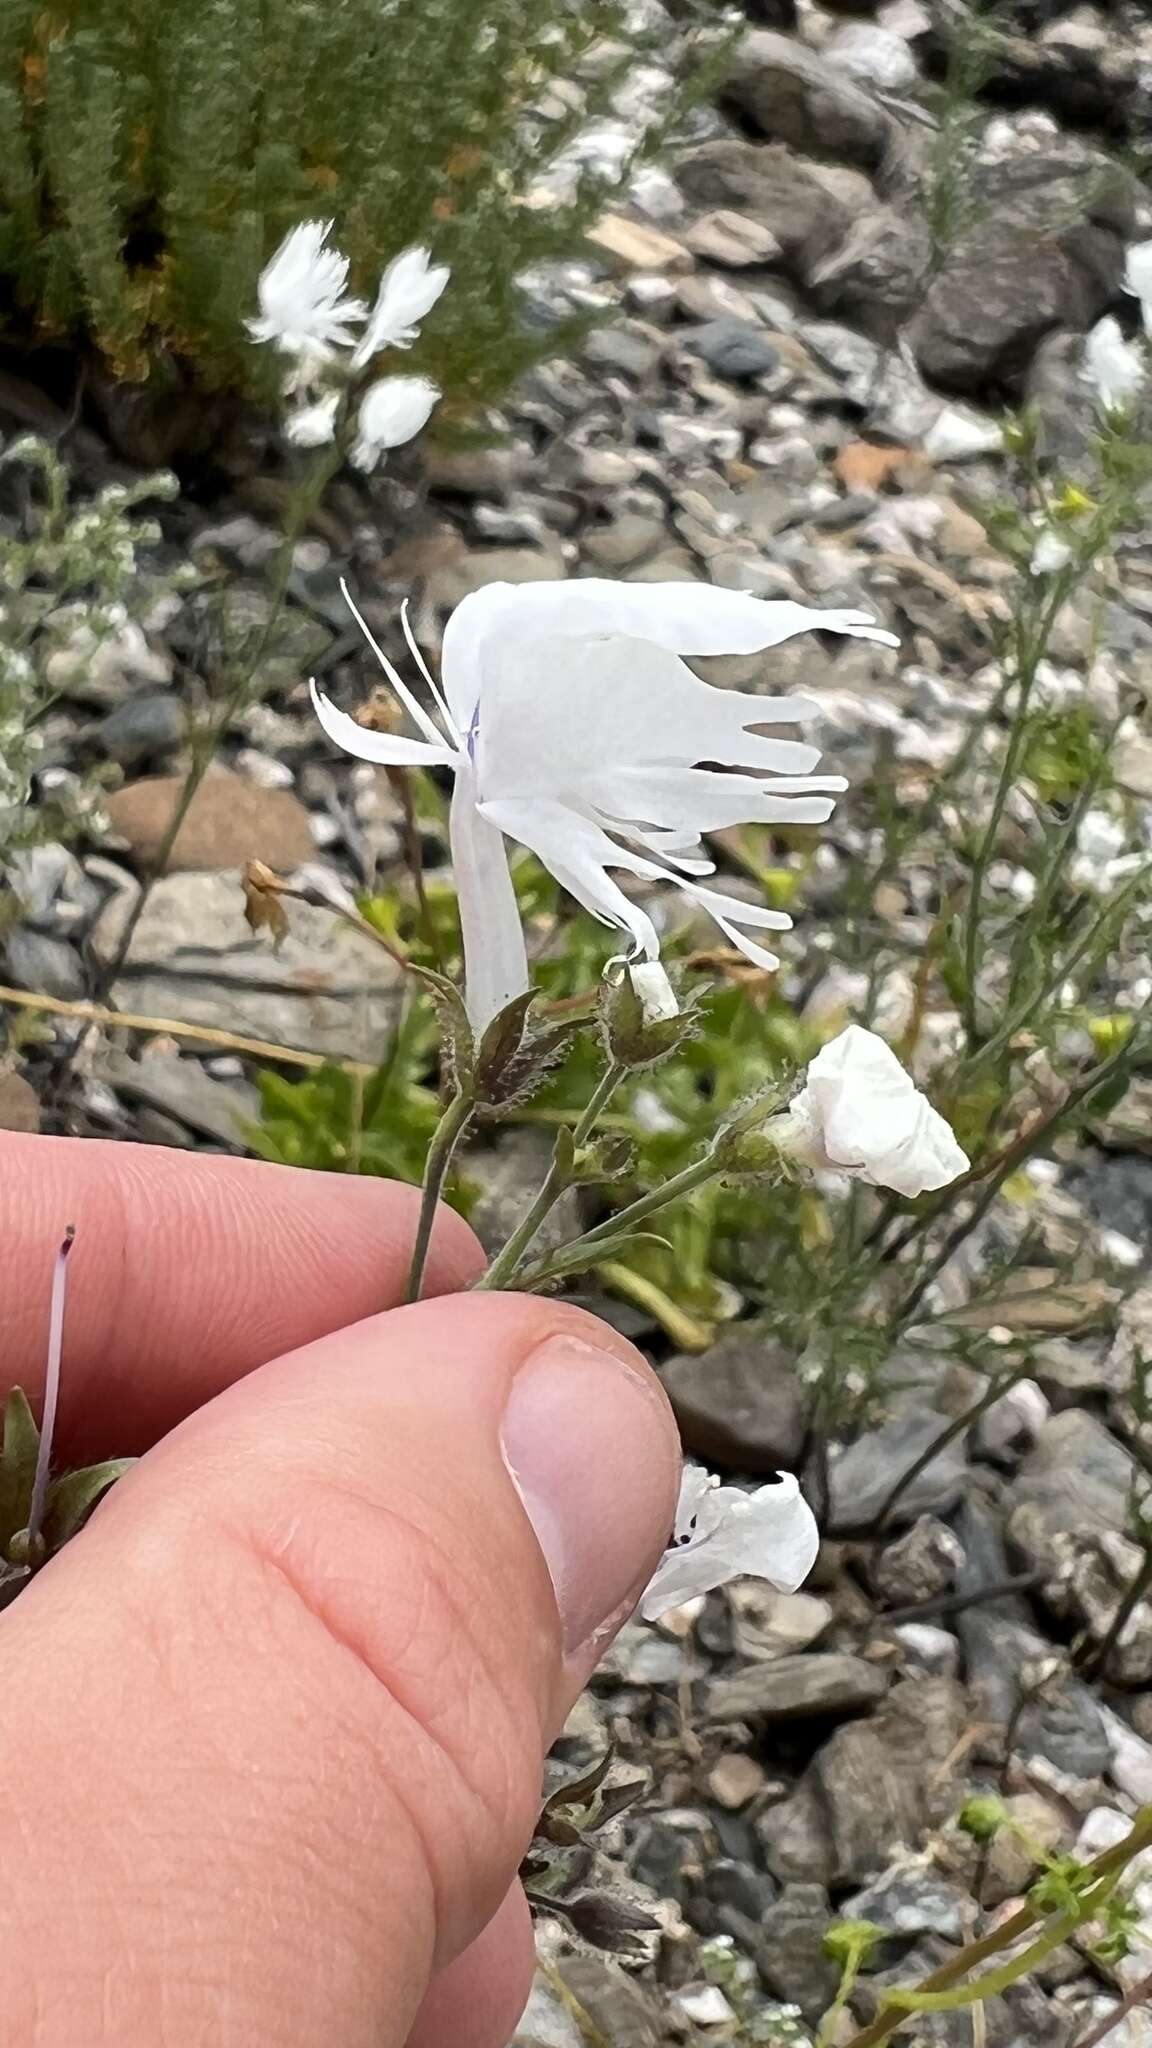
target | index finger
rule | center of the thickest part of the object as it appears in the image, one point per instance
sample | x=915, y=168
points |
x=190, y=1270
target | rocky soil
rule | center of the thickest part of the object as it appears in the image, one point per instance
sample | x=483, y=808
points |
x=798, y=393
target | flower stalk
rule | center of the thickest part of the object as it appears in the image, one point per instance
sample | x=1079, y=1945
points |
x=445, y=1139
x=504, y=1268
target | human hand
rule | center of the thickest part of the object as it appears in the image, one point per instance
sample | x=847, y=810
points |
x=271, y=1727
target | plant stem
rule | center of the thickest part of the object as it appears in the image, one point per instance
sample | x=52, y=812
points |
x=502, y=1271
x=1110, y=1862
x=570, y=1258
x=939, y=1443
x=306, y=501
x=175, y=1027
x=445, y=1138
x=1135, y=1995
x=1094, y=1665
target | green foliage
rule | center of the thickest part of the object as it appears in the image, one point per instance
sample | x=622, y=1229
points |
x=343, y=1122
x=153, y=154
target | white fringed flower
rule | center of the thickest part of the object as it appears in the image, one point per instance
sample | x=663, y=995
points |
x=392, y=412
x=723, y=1533
x=1138, y=279
x=409, y=289
x=302, y=308
x=1114, y=367
x=860, y=1113
x=1050, y=554
x=574, y=728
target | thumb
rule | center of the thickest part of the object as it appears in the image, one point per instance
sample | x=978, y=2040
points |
x=272, y=1727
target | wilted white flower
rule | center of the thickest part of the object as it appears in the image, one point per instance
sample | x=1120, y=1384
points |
x=302, y=307
x=723, y=1533
x=1050, y=554
x=393, y=411
x=409, y=289
x=1138, y=279
x=312, y=426
x=860, y=1113
x=654, y=992
x=1114, y=367
x=574, y=728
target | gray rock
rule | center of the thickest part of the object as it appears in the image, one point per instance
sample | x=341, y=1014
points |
x=1116, y=1190
x=739, y=1403
x=624, y=346
x=875, y=1786
x=908, y=1901
x=36, y=875
x=876, y=274
x=920, y=1564
x=809, y=207
x=790, y=1688
x=622, y=541
x=790, y=1953
x=193, y=957
x=142, y=727
x=733, y=348
x=506, y=1175
x=546, y=2021
x=794, y=95
x=622, y=2011
x=861, y=1479
x=181, y=1089
x=48, y=965
x=1075, y=1482
x=1066, y=227
x=1064, y=1725
x=873, y=56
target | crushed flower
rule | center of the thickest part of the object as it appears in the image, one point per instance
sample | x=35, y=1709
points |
x=723, y=1533
x=861, y=1114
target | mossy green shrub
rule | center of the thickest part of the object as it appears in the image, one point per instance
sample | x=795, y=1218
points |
x=154, y=152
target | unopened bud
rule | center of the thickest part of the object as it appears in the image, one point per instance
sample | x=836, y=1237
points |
x=982, y=1816
x=642, y=1020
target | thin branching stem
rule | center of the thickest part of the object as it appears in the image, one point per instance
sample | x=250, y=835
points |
x=504, y=1267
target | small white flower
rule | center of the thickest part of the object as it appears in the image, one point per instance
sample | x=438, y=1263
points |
x=1138, y=279
x=314, y=425
x=1114, y=367
x=302, y=308
x=393, y=411
x=860, y=1113
x=723, y=1533
x=1050, y=554
x=409, y=289
x=654, y=992
x=574, y=728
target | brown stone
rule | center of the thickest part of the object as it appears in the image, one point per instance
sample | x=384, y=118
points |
x=230, y=821
x=637, y=246
x=19, y=1104
x=868, y=465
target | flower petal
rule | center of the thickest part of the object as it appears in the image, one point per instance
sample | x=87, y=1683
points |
x=577, y=852
x=682, y=618
x=409, y=289
x=495, y=959
x=391, y=748
x=1138, y=278
x=770, y=1534
x=556, y=713
x=861, y=1112
x=393, y=411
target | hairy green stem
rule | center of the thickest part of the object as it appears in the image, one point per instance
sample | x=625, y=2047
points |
x=1110, y=1862
x=445, y=1138
x=504, y=1267
x=570, y=1258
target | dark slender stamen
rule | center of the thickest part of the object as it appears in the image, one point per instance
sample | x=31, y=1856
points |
x=51, y=1391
